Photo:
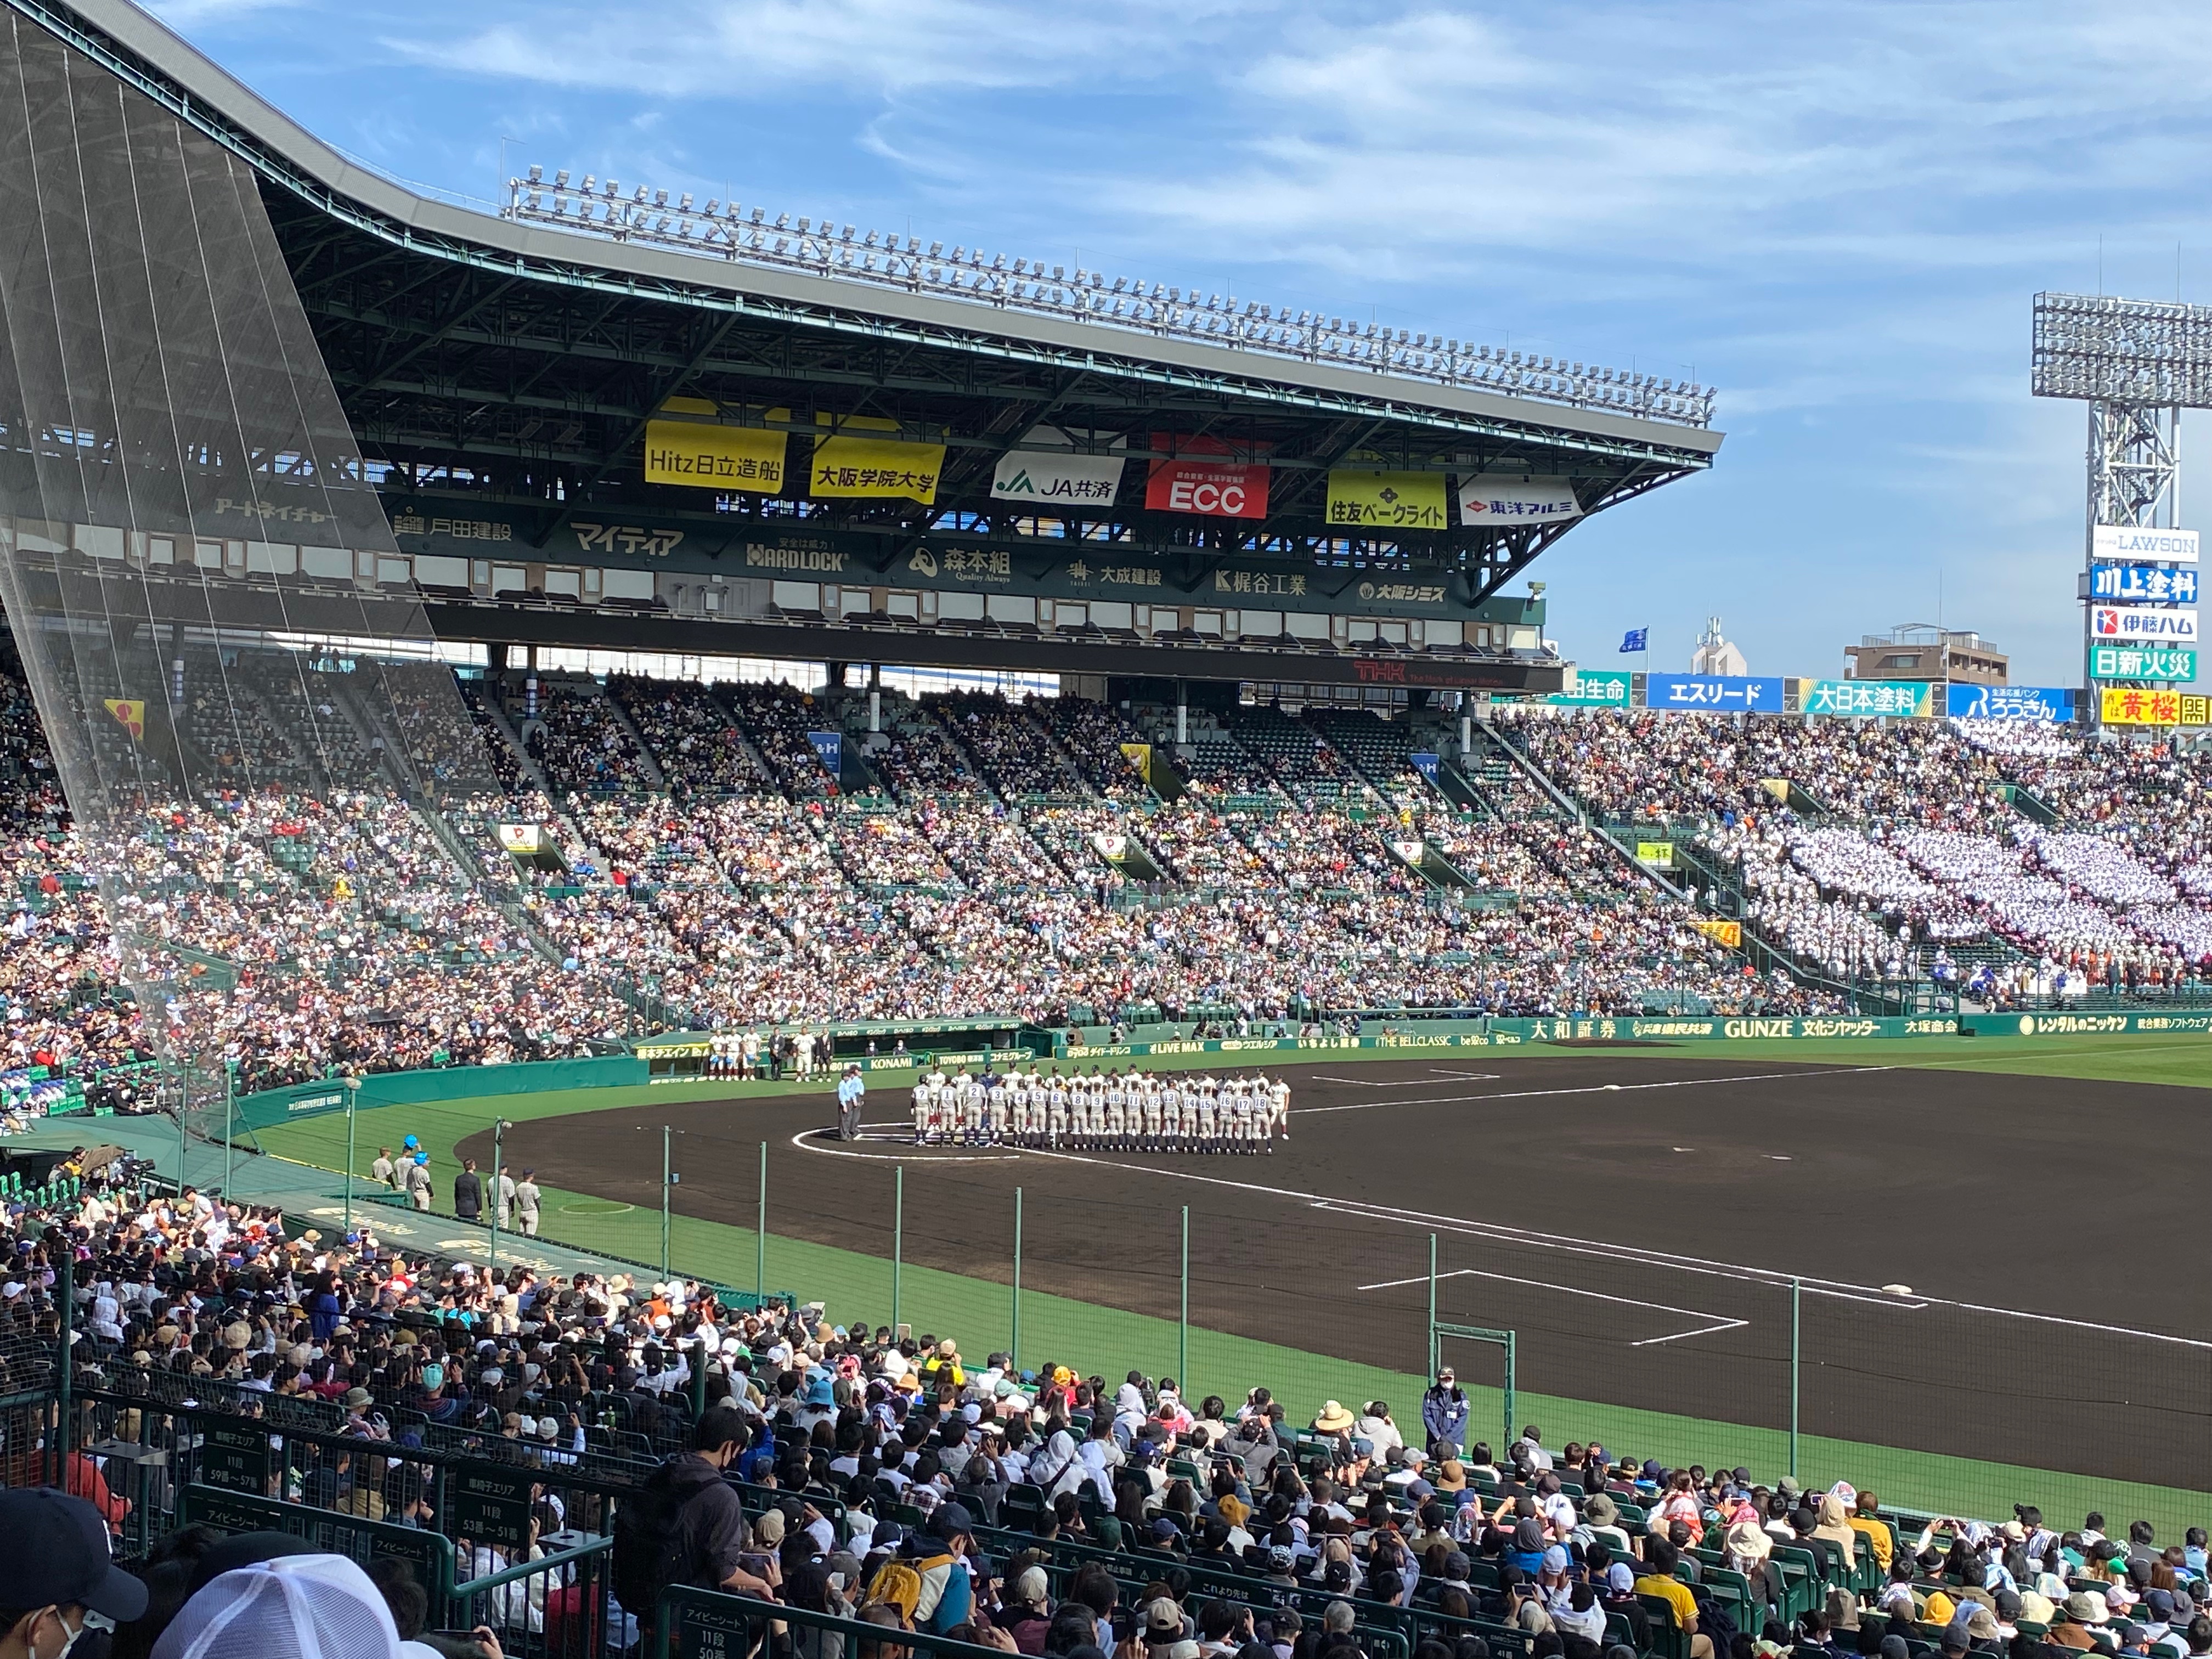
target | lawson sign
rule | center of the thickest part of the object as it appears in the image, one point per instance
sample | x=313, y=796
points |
x=2120, y=542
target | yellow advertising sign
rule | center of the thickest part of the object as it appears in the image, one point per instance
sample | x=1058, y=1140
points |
x=1778, y=788
x=1659, y=855
x=1400, y=501
x=1140, y=757
x=875, y=466
x=2195, y=710
x=704, y=457
x=130, y=713
x=2131, y=707
x=1730, y=933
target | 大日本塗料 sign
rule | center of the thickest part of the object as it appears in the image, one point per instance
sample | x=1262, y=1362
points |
x=1861, y=698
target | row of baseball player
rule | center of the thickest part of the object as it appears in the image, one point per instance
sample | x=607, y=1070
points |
x=1172, y=1111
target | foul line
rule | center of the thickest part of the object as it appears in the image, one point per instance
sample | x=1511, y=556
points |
x=1590, y=1089
x=1724, y=1324
x=1635, y=1255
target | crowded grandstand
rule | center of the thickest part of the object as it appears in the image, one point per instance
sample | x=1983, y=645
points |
x=986, y=855
x=229, y=1370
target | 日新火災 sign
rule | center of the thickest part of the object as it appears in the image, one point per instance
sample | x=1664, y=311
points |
x=2142, y=662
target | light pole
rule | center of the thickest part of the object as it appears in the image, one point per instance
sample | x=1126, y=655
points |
x=229, y=1137
x=353, y=1100
x=500, y=1127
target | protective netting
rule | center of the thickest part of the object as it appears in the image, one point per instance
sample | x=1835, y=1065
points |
x=258, y=747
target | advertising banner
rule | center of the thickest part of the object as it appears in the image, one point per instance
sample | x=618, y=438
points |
x=1216, y=489
x=1056, y=478
x=527, y=840
x=1595, y=688
x=1730, y=933
x=1714, y=693
x=2143, y=622
x=2143, y=584
x=2140, y=662
x=2127, y=707
x=2063, y=1025
x=2118, y=542
x=1659, y=855
x=1397, y=500
x=2052, y=703
x=1426, y=765
x=830, y=746
x=1510, y=498
x=1140, y=757
x=1861, y=698
x=704, y=457
x=845, y=466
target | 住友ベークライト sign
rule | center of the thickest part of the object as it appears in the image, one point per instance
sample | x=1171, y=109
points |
x=1395, y=501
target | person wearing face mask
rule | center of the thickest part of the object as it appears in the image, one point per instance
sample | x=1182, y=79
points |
x=60, y=1582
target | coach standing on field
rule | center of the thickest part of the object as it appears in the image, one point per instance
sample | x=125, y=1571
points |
x=852, y=1095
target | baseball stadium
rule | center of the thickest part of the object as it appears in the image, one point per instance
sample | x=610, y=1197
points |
x=639, y=831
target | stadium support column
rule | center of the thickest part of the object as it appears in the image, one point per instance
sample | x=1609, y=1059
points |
x=1182, y=1315
x=1466, y=738
x=1182, y=715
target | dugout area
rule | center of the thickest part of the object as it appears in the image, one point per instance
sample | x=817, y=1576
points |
x=1637, y=1217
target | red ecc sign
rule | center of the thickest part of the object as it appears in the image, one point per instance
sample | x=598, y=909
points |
x=1219, y=489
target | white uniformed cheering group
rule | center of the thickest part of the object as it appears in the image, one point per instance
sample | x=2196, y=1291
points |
x=1131, y=1110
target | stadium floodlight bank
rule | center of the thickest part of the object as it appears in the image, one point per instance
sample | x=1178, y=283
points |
x=824, y=248
x=2137, y=364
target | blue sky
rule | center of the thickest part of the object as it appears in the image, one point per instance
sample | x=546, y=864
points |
x=1836, y=212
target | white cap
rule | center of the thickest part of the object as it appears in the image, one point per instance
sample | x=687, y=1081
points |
x=297, y=1606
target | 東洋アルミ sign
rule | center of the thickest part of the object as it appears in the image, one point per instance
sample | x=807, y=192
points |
x=1510, y=498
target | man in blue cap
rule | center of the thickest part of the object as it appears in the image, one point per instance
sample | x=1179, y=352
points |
x=60, y=1581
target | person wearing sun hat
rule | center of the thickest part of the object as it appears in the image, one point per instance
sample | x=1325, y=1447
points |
x=1332, y=1419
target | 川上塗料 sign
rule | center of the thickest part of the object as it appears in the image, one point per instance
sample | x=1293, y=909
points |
x=2143, y=584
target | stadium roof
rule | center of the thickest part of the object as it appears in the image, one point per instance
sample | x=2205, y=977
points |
x=517, y=364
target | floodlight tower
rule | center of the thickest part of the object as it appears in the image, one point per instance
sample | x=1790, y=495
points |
x=2137, y=364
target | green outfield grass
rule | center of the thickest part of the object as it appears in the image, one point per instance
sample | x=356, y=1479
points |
x=979, y=1310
